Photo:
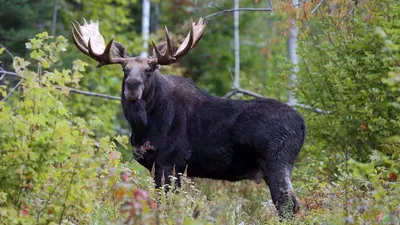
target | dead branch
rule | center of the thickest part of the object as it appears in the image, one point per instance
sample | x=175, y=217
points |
x=238, y=9
x=6, y=50
x=316, y=7
x=235, y=91
x=12, y=90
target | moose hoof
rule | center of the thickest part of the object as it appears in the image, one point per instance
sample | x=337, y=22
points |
x=287, y=204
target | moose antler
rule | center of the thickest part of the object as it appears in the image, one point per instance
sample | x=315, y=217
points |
x=168, y=56
x=89, y=41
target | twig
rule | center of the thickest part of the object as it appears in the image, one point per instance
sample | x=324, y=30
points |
x=317, y=110
x=74, y=90
x=12, y=90
x=231, y=93
x=230, y=73
x=352, y=10
x=8, y=52
x=2, y=74
x=215, y=5
x=238, y=9
x=270, y=3
x=316, y=7
x=243, y=9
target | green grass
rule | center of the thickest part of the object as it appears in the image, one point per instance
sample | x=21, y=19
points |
x=205, y=201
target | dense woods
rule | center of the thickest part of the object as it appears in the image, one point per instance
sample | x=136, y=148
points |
x=65, y=155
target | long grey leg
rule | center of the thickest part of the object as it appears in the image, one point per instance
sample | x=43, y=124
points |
x=278, y=181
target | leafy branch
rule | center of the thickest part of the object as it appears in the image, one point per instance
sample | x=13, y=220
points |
x=6, y=50
x=73, y=90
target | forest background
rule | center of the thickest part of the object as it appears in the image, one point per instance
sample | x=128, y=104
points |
x=65, y=156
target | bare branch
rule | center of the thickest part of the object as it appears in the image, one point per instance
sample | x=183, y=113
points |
x=231, y=93
x=316, y=7
x=12, y=90
x=235, y=91
x=250, y=93
x=74, y=90
x=242, y=9
x=352, y=10
x=215, y=5
x=2, y=74
x=8, y=52
x=317, y=110
x=270, y=3
x=88, y=93
x=238, y=9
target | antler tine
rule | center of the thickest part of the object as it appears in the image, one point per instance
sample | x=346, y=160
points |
x=199, y=33
x=158, y=53
x=169, y=45
x=89, y=41
x=167, y=57
x=75, y=33
x=187, y=44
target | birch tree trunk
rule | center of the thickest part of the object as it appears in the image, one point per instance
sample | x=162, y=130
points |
x=54, y=19
x=292, y=45
x=236, y=83
x=145, y=27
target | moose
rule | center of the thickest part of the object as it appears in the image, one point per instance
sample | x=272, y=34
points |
x=188, y=130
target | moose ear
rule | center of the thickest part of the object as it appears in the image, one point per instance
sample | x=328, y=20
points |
x=119, y=51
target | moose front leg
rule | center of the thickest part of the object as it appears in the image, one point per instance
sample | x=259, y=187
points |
x=163, y=171
x=166, y=166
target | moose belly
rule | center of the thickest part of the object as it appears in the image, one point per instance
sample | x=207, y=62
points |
x=232, y=164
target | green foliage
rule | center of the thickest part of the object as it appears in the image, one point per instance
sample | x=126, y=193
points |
x=20, y=21
x=58, y=166
x=349, y=68
x=342, y=73
x=50, y=162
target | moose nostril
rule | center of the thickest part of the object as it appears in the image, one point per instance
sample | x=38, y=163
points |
x=133, y=84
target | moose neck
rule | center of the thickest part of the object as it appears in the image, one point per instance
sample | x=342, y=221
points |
x=156, y=92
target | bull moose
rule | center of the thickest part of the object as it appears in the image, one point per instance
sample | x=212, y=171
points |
x=184, y=127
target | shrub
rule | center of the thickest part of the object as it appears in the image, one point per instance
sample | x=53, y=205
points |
x=50, y=162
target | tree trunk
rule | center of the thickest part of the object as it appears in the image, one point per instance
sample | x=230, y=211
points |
x=54, y=20
x=292, y=45
x=145, y=27
x=236, y=83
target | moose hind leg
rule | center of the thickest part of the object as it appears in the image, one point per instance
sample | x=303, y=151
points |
x=280, y=186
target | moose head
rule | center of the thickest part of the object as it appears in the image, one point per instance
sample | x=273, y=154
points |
x=138, y=71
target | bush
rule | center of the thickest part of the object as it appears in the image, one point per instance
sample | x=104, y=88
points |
x=50, y=162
